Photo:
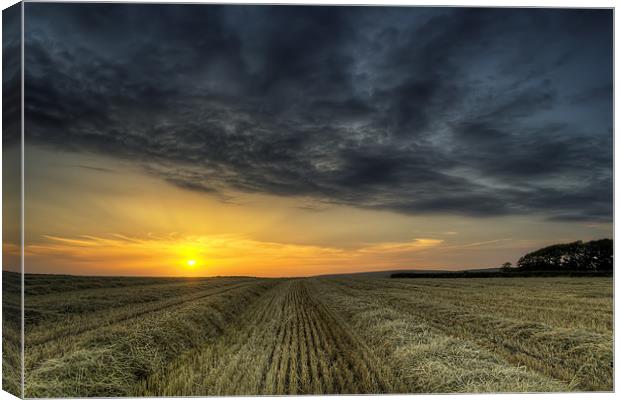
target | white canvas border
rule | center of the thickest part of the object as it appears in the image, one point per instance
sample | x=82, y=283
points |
x=457, y=3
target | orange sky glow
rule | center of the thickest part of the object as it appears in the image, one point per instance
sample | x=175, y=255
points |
x=87, y=215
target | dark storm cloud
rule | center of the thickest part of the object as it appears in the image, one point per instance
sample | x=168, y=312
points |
x=11, y=75
x=482, y=112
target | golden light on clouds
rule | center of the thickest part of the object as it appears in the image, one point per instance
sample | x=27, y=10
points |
x=214, y=255
x=83, y=217
x=416, y=244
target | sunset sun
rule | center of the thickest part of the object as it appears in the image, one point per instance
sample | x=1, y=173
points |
x=191, y=263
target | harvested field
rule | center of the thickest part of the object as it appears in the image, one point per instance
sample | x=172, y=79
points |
x=244, y=336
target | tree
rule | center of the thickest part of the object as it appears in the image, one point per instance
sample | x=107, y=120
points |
x=599, y=255
x=595, y=256
x=506, y=267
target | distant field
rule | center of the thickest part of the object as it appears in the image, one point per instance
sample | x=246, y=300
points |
x=225, y=336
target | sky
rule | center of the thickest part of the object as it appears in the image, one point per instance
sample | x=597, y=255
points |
x=303, y=140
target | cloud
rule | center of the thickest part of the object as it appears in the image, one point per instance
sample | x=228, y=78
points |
x=11, y=75
x=472, y=112
x=412, y=246
x=477, y=244
x=214, y=254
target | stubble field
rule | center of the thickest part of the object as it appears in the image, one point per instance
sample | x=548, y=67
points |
x=241, y=336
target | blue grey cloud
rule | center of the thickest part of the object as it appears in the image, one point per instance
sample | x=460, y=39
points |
x=480, y=112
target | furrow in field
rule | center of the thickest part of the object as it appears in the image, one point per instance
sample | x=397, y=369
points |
x=55, y=308
x=322, y=336
x=533, y=291
x=419, y=353
x=567, y=312
x=216, y=366
x=117, y=357
x=314, y=382
x=298, y=346
x=66, y=344
x=85, y=323
x=576, y=356
x=40, y=285
x=593, y=292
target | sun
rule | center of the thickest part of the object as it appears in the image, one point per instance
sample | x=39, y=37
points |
x=191, y=263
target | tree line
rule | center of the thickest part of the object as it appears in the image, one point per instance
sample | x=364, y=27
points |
x=593, y=256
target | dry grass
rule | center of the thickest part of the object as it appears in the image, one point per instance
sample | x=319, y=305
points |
x=11, y=333
x=244, y=336
x=288, y=343
x=566, y=351
x=108, y=360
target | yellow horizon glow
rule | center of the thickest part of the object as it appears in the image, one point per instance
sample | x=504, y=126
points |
x=226, y=255
x=234, y=255
x=92, y=215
